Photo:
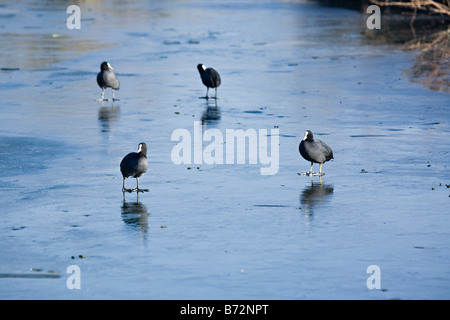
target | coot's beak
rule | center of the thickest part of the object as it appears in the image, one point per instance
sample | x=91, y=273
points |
x=109, y=66
x=306, y=135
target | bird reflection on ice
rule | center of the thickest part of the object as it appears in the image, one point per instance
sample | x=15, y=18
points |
x=211, y=113
x=313, y=195
x=135, y=215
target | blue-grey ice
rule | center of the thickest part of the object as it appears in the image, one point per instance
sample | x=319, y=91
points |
x=217, y=231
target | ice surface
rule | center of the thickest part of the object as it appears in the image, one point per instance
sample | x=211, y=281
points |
x=217, y=231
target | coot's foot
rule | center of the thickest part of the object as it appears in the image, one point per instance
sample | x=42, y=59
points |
x=312, y=174
x=135, y=190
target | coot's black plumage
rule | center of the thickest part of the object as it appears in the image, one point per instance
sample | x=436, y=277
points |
x=210, y=78
x=134, y=164
x=107, y=78
x=315, y=151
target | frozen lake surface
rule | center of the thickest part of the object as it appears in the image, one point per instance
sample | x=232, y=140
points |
x=217, y=231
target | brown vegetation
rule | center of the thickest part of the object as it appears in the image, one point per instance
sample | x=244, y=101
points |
x=442, y=7
x=431, y=66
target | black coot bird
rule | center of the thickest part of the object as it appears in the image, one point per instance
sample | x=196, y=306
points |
x=134, y=164
x=315, y=151
x=107, y=78
x=210, y=78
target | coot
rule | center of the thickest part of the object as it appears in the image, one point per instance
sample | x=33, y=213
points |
x=210, y=78
x=107, y=78
x=315, y=151
x=134, y=164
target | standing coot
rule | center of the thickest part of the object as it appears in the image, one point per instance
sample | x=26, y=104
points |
x=134, y=165
x=107, y=78
x=210, y=78
x=315, y=151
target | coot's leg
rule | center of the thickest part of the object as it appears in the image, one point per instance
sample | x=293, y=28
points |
x=123, y=187
x=114, y=95
x=310, y=169
x=320, y=171
x=103, y=95
x=137, y=188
